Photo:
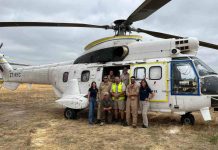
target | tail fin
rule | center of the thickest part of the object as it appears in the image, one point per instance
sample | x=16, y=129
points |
x=5, y=67
x=5, y=70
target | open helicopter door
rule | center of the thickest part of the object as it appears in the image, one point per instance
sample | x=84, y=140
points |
x=156, y=75
x=99, y=75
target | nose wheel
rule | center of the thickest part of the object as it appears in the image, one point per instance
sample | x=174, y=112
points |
x=70, y=113
x=188, y=119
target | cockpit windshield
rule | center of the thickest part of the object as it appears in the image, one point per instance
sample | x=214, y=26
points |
x=202, y=68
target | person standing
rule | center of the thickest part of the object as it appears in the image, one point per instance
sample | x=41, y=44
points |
x=111, y=76
x=118, y=96
x=125, y=76
x=125, y=79
x=105, y=86
x=106, y=109
x=145, y=95
x=92, y=95
x=132, y=93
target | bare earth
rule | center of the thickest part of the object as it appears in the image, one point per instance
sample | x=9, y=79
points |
x=30, y=119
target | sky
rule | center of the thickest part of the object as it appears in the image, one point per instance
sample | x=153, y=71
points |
x=37, y=45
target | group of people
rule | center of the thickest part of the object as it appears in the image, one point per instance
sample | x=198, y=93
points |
x=119, y=100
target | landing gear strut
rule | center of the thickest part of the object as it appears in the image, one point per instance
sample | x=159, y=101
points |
x=70, y=113
x=188, y=119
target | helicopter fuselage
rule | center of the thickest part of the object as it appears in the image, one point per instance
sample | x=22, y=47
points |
x=183, y=95
x=172, y=72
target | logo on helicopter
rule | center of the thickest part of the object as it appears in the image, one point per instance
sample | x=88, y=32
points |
x=15, y=74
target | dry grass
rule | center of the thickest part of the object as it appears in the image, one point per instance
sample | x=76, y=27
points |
x=30, y=119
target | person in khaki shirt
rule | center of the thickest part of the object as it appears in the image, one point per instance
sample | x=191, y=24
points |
x=125, y=76
x=111, y=76
x=105, y=86
x=132, y=92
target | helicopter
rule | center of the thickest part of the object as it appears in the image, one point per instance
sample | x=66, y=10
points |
x=182, y=83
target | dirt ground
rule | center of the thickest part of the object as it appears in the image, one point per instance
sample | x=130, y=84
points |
x=30, y=119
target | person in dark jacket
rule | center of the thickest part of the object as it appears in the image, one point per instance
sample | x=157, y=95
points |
x=145, y=94
x=92, y=95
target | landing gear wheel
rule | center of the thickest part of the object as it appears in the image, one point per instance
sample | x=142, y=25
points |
x=188, y=119
x=70, y=113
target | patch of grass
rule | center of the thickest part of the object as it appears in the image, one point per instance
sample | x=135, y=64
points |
x=30, y=118
x=213, y=139
x=28, y=141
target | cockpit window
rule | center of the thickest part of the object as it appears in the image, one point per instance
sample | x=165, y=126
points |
x=202, y=68
x=183, y=78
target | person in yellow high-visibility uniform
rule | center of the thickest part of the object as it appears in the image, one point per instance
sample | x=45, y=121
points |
x=118, y=96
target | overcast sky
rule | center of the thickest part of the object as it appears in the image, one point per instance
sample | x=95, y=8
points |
x=189, y=18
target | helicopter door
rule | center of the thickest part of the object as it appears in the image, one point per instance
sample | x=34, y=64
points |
x=156, y=74
x=99, y=75
x=88, y=76
x=184, y=84
x=84, y=81
x=157, y=78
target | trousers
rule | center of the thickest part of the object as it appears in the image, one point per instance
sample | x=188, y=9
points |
x=92, y=103
x=106, y=116
x=99, y=110
x=132, y=111
x=144, y=106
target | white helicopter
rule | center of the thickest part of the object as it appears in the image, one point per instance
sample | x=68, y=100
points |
x=182, y=83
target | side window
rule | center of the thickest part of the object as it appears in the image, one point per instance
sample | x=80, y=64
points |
x=155, y=73
x=65, y=76
x=184, y=80
x=140, y=73
x=85, y=76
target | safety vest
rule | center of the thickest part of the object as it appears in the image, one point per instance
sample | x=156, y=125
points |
x=120, y=90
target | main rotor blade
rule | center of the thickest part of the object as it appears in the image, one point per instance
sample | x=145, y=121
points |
x=209, y=45
x=158, y=34
x=168, y=36
x=50, y=24
x=17, y=64
x=147, y=8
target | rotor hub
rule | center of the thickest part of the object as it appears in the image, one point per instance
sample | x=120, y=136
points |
x=120, y=27
x=119, y=22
